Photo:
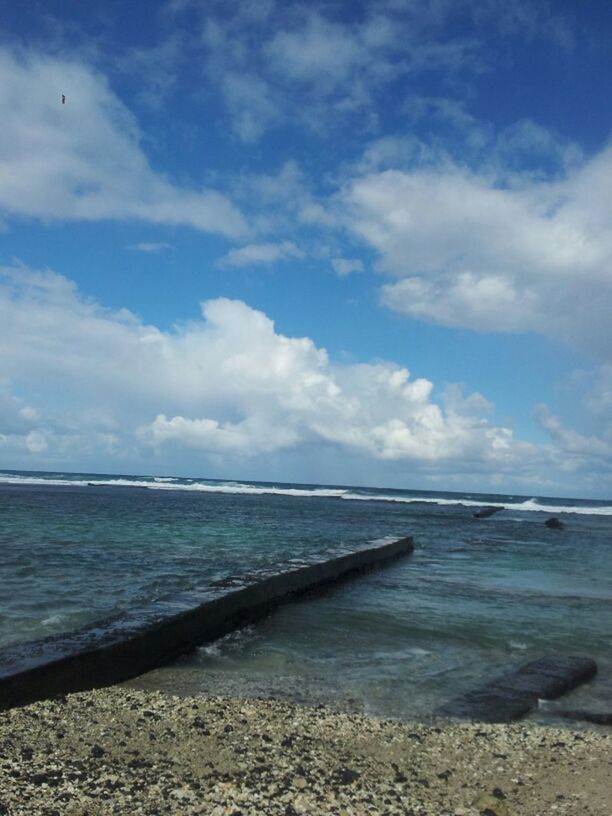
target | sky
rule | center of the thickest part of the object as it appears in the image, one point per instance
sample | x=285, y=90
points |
x=326, y=242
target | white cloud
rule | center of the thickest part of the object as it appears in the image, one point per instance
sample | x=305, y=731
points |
x=303, y=66
x=317, y=49
x=212, y=436
x=346, y=266
x=351, y=59
x=36, y=442
x=83, y=160
x=153, y=69
x=279, y=199
x=525, y=143
x=251, y=105
x=103, y=382
x=253, y=254
x=456, y=401
x=18, y=423
x=151, y=246
x=454, y=141
x=526, y=19
x=577, y=451
x=470, y=252
x=599, y=399
x=16, y=417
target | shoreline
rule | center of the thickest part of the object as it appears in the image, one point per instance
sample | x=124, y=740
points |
x=118, y=750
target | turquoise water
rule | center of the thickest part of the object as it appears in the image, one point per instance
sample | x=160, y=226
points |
x=477, y=596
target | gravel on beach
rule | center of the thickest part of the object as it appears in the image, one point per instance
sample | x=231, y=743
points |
x=118, y=751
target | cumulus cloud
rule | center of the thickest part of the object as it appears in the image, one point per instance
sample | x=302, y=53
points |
x=226, y=385
x=83, y=160
x=468, y=251
x=253, y=254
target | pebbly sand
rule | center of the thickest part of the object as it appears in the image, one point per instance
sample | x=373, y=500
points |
x=118, y=751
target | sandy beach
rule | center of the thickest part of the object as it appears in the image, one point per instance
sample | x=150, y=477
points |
x=118, y=751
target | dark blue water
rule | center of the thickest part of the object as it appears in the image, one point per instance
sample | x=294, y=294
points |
x=477, y=595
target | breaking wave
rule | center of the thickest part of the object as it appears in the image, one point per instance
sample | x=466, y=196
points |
x=299, y=491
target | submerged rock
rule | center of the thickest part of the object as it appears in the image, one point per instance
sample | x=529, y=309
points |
x=554, y=524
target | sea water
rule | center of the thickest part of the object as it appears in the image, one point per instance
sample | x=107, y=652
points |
x=476, y=598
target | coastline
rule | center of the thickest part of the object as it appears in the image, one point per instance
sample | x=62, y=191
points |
x=476, y=598
x=117, y=751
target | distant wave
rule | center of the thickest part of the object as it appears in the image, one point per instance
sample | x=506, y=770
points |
x=167, y=483
x=530, y=505
x=346, y=494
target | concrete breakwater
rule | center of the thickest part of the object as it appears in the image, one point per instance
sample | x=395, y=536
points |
x=138, y=640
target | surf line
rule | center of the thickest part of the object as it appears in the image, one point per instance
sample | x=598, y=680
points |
x=141, y=639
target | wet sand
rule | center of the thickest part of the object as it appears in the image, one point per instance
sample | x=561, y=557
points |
x=123, y=751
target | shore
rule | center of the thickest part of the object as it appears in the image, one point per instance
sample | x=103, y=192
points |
x=118, y=751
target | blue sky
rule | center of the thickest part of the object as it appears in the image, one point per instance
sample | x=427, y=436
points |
x=332, y=242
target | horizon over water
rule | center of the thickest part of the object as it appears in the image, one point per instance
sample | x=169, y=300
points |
x=478, y=596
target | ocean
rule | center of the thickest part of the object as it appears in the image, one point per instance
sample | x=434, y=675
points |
x=477, y=597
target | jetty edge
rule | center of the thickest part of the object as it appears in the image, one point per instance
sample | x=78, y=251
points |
x=140, y=639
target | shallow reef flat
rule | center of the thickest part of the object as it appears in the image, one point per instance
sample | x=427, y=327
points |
x=119, y=751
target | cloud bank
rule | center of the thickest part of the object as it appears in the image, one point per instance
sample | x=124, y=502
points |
x=78, y=377
x=82, y=383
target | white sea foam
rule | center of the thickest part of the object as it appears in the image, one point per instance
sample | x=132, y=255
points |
x=53, y=620
x=517, y=644
x=346, y=494
x=211, y=650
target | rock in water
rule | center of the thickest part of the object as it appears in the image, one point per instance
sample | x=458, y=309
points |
x=597, y=717
x=485, y=512
x=554, y=523
x=513, y=695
